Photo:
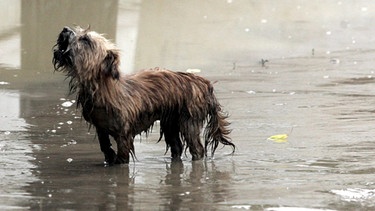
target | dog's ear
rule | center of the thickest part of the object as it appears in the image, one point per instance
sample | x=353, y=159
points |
x=110, y=66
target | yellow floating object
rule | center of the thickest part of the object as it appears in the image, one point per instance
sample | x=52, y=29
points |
x=280, y=138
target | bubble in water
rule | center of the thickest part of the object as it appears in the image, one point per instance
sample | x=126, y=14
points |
x=67, y=104
x=246, y=207
x=72, y=142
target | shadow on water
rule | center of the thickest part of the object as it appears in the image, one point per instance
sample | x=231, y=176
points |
x=317, y=87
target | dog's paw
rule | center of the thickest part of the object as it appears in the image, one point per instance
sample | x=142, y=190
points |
x=110, y=158
x=106, y=163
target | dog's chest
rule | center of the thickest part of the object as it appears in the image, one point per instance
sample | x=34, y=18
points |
x=100, y=118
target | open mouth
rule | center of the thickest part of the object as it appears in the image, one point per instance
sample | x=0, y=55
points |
x=66, y=36
x=62, y=55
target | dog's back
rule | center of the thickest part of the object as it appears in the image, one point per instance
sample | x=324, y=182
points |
x=165, y=88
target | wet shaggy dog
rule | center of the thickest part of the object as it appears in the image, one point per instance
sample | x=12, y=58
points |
x=123, y=106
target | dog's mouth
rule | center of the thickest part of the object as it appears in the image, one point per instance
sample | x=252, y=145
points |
x=62, y=53
x=66, y=36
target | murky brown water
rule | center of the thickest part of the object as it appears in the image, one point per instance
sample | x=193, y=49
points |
x=318, y=87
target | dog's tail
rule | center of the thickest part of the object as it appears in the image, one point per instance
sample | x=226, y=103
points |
x=217, y=127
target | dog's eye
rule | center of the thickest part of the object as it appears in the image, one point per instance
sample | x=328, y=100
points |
x=85, y=40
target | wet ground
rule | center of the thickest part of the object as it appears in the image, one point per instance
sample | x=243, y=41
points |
x=317, y=87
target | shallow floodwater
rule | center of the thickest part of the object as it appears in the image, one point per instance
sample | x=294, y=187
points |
x=316, y=85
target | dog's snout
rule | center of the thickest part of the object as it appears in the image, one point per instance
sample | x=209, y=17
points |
x=66, y=29
x=68, y=32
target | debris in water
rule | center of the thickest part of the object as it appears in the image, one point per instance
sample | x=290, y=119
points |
x=251, y=92
x=280, y=138
x=263, y=62
x=69, y=160
x=335, y=61
x=193, y=70
x=246, y=207
x=72, y=142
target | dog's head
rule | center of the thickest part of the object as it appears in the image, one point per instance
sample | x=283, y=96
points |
x=85, y=55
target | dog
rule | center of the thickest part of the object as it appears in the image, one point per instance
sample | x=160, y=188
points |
x=123, y=106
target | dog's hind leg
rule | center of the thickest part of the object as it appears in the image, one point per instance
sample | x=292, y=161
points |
x=172, y=138
x=191, y=133
x=105, y=147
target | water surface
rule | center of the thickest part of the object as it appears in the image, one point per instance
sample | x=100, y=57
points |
x=317, y=87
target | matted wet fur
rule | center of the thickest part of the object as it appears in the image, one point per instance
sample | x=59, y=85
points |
x=123, y=106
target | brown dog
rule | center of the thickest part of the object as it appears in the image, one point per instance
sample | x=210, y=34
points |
x=124, y=106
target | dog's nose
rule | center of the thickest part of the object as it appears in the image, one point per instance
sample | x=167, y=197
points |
x=66, y=29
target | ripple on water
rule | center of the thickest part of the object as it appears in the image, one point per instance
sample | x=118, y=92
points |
x=15, y=153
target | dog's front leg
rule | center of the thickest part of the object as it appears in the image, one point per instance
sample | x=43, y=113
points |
x=105, y=147
x=125, y=147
